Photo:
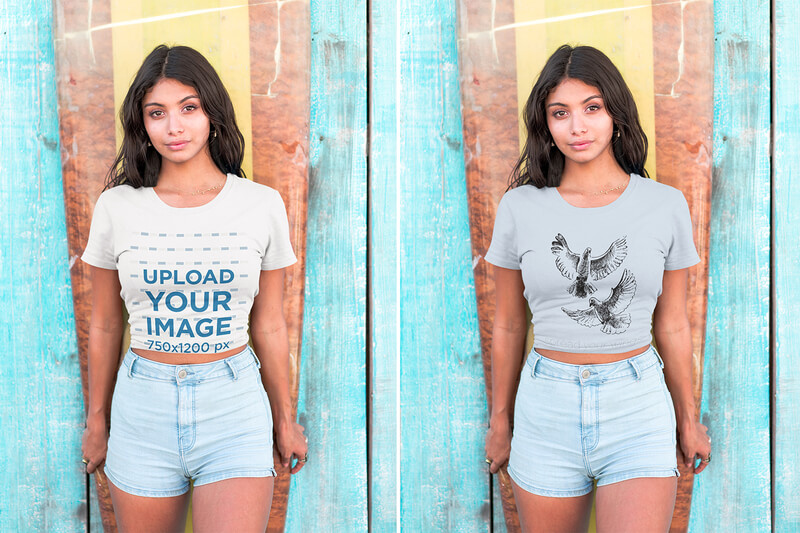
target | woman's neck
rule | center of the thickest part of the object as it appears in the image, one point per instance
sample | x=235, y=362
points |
x=593, y=177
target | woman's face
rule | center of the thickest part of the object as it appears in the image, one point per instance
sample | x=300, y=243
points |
x=175, y=122
x=578, y=121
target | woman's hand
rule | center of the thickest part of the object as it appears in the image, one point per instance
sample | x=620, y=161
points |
x=694, y=443
x=292, y=444
x=498, y=443
x=94, y=443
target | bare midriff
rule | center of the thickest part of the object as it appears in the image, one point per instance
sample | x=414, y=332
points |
x=186, y=358
x=590, y=358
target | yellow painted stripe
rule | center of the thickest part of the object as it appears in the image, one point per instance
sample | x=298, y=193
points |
x=622, y=29
x=219, y=29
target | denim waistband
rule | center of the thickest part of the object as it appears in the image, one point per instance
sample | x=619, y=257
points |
x=541, y=366
x=230, y=367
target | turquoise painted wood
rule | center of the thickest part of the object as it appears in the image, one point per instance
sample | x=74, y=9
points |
x=786, y=251
x=733, y=494
x=444, y=483
x=42, y=486
x=330, y=493
x=385, y=228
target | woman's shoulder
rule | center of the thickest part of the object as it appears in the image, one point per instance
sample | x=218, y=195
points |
x=657, y=191
x=120, y=194
x=257, y=192
x=524, y=195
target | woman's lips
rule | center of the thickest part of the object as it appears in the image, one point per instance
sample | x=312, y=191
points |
x=580, y=145
x=177, y=145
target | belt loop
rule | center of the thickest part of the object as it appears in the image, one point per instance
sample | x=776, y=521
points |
x=258, y=361
x=533, y=366
x=658, y=355
x=130, y=367
x=635, y=367
x=233, y=368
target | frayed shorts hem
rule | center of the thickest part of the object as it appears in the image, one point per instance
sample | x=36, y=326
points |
x=204, y=480
x=221, y=476
x=624, y=476
x=146, y=493
x=551, y=493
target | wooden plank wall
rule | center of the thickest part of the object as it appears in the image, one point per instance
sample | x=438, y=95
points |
x=42, y=482
x=444, y=482
x=419, y=334
x=733, y=494
x=786, y=280
x=330, y=494
x=384, y=270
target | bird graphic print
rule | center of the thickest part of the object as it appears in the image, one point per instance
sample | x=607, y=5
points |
x=581, y=267
x=608, y=313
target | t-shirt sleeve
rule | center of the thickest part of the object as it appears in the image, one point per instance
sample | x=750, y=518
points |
x=99, y=250
x=279, y=253
x=682, y=252
x=503, y=249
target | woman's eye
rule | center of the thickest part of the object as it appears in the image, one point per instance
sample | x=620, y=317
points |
x=190, y=107
x=560, y=113
x=593, y=107
x=156, y=113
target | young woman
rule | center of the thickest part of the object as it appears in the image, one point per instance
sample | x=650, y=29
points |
x=196, y=252
x=600, y=254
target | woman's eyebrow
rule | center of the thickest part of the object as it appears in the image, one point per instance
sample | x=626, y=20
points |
x=565, y=105
x=182, y=101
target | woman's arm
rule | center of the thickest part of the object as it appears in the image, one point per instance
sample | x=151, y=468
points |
x=674, y=339
x=105, y=336
x=271, y=343
x=508, y=344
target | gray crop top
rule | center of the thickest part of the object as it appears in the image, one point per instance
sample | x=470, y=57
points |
x=592, y=275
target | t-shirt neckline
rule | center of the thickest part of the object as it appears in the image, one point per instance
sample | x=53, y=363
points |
x=156, y=199
x=614, y=204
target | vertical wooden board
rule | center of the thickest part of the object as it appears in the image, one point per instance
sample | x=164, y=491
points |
x=384, y=271
x=488, y=76
x=786, y=250
x=443, y=405
x=280, y=44
x=683, y=66
x=330, y=494
x=40, y=404
x=733, y=494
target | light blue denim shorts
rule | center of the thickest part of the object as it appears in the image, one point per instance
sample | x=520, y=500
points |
x=577, y=424
x=175, y=423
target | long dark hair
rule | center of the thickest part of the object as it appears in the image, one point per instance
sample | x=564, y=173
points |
x=137, y=164
x=541, y=164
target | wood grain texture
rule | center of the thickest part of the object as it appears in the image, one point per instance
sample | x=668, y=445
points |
x=786, y=250
x=86, y=111
x=280, y=43
x=489, y=94
x=330, y=494
x=43, y=486
x=385, y=225
x=733, y=494
x=683, y=66
x=443, y=405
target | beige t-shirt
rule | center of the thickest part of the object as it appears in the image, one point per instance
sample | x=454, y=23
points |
x=189, y=275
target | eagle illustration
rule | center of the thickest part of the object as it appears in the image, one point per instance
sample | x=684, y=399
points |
x=608, y=312
x=580, y=267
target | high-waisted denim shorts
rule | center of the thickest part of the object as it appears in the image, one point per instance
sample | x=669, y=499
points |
x=577, y=424
x=175, y=423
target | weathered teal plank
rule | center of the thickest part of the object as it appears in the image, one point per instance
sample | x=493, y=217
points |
x=444, y=486
x=385, y=226
x=733, y=494
x=330, y=493
x=41, y=412
x=786, y=251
